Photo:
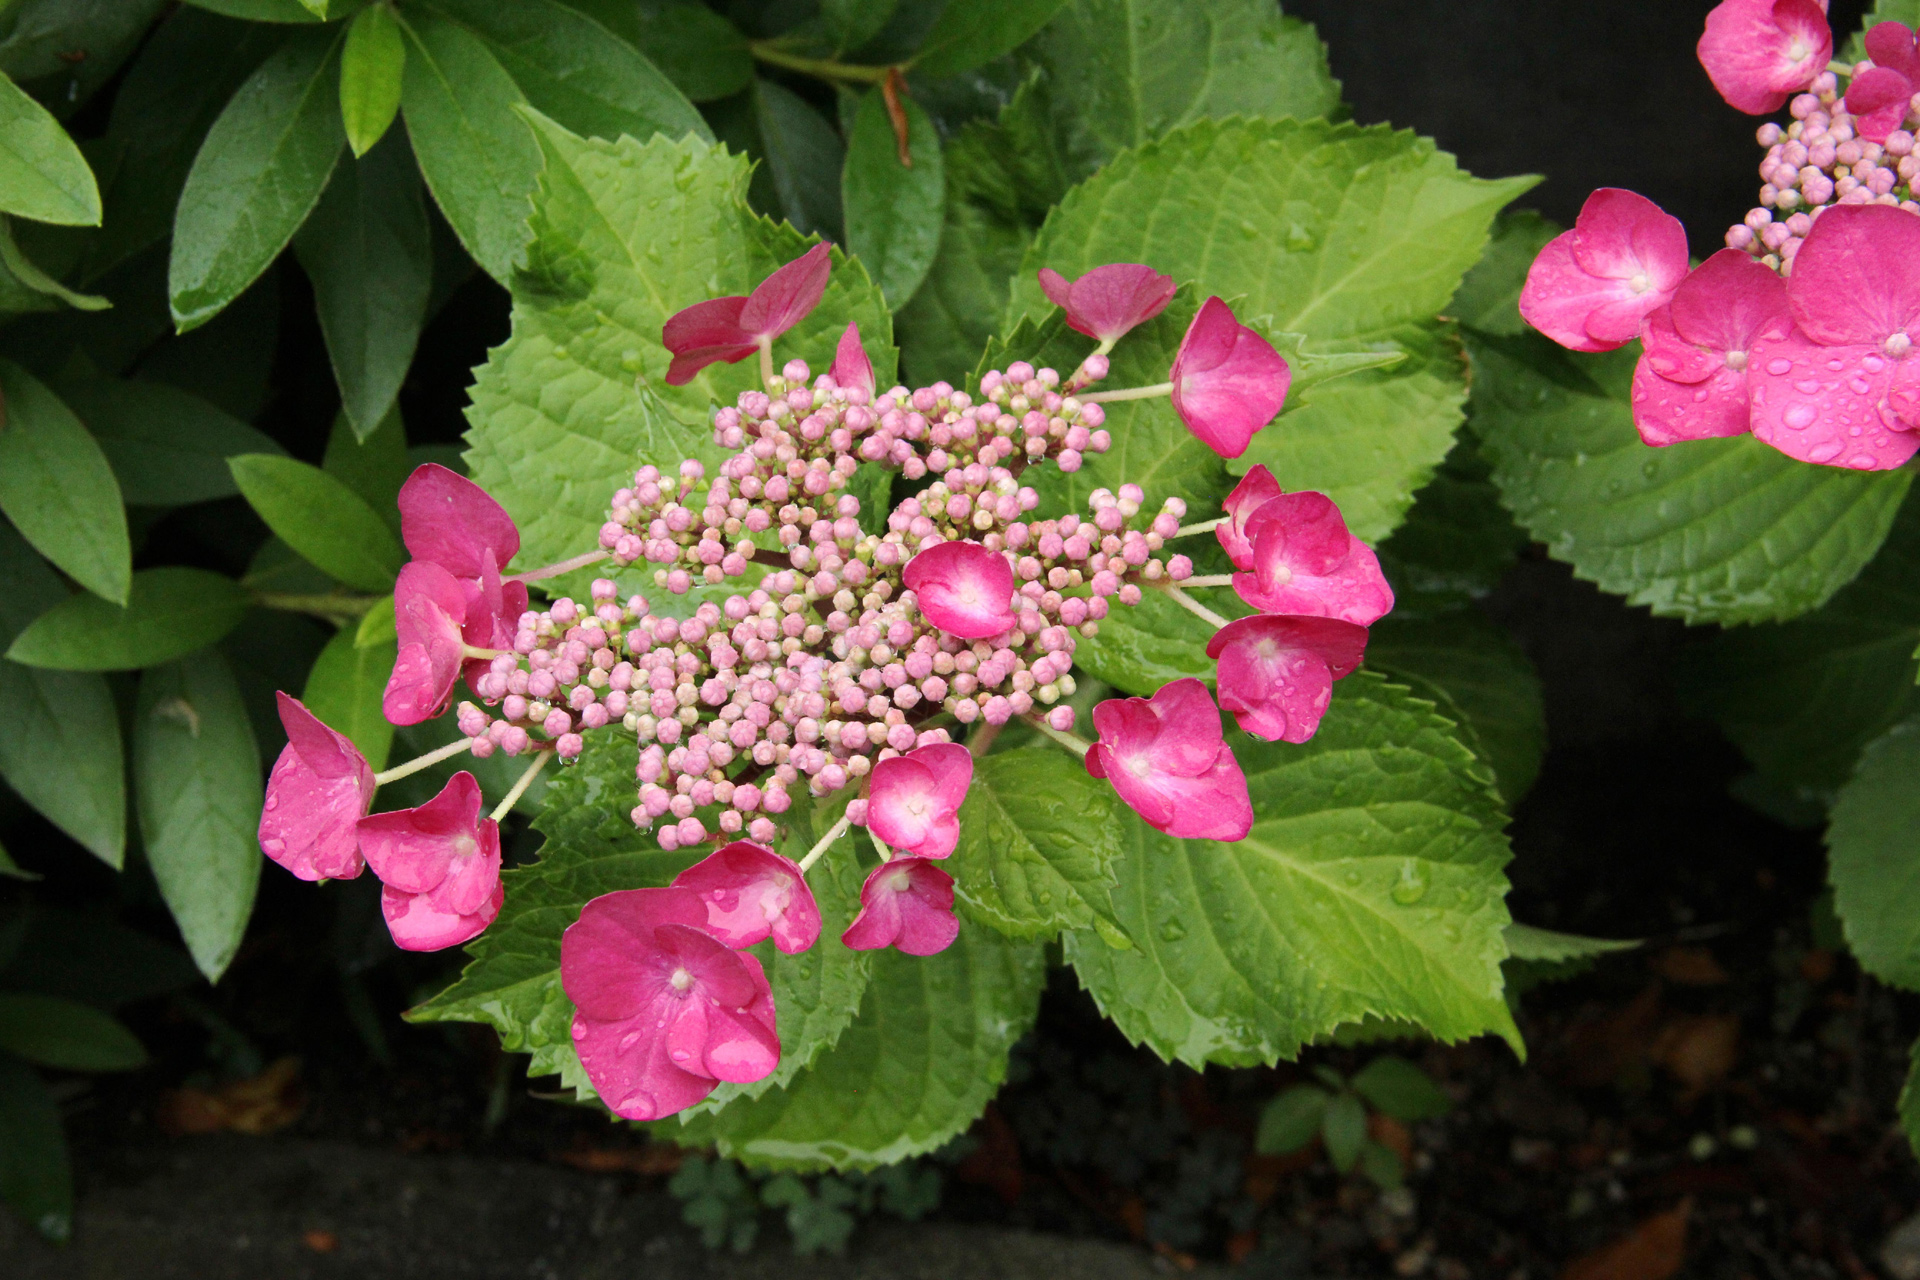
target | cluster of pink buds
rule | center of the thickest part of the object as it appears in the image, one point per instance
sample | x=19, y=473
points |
x=1800, y=330
x=846, y=663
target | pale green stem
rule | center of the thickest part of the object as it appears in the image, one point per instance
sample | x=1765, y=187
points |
x=1210, y=580
x=428, y=760
x=1840, y=68
x=824, y=68
x=1076, y=745
x=322, y=606
x=472, y=654
x=1130, y=393
x=982, y=738
x=1193, y=606
x=559, y=567
x=1205, y=526
x=505, y=807
x=766, y=364
x=819, y=851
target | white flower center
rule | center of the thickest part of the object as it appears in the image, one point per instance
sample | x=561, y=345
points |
x=681, y=980
x=1736, y=360
x=900, y=881
x=1640, y=283
x=464, y=846
x=1798, y=50
x=1898, y=344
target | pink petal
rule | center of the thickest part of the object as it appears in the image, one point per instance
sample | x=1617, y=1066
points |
x=318, y=790
x=473, y=879
x=449, y=520
x=627, y=1064
x=1727, y=302
x=1108, y=301
x=1276, y=673
x=413, y=849
x=952, y=768
x=1255, y=490
x=851, y=365
x=963, y=589
x=1356, y=591
x=902, y=804
x=704, y=333
x=1879, y=99
x=1749, y=49
x=1135, y=784
x=1228, y=381
x=425, y=921
x=429, y=608
x=1592, y=288
x=1213, y=807
x=715, y=968
x=1621, y=234
x=742, y=1044
x=784, y=298
x=1303, y=533
x=1666, y=353
x=1057, y=287
x=1667, y=412
x=1189, y=731
x=1559, y=297
x=1828, y=404
x=906, y=903
x=1856, y=278
x=1892, y=44
x=604, y=965
x=752, y=893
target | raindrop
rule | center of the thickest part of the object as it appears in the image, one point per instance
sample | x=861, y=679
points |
x=1173, y=930
x=1412, y=884
x=1799, y=416
x=1779, y=368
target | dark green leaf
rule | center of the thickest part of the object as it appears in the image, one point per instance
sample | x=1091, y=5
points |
x=344, y=690
x=24, y=287
x=1710, y=530
x=369, y=253
x=38, y=39
x=1488, y=299
x=167, y=447
x=478, y=158
x=894, y=211
x=43, y=176
x=197, y=789
x=969, y=33
x=803, y=159
x=229, y=359
x=62, y=754
x=169, y=613
x=1525, y=942
x=1872, y=858
x=286, y=11
x=1381, y=1164
x=1142, y=647
x=1402, y=1090
x=58, y=488
x=35, y=1175
x=1457, y=542
x=1291, y=1120
x=374, y=467
x=372, y=64
x=89, y=957
x=700, y=51
x=1344, y=1129
x=854, y=22
x=1037, y=845
x=259, y=173
x=11, y=870
x=330, y=525
x=65, y=1035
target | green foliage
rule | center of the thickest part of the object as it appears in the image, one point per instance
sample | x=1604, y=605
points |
x=800, y=158
x=1711, y=530
x=1344, y=1130
x=344, y=687
x=371, y=65
x=718, y=1202
x=966, y=35
x=1871, y=857
x=1457, y=541
x=330, y=525
x=58, y=488
x=1291, y=1120
x=167, y=447
x=65, y=1035
x=43, y=176
x=170, y=612
x=63, y=754
x=1400, y=1089
x=704, y=55
x=894, y=209
x=1371, y=884
x=197, y=788
x=36, y=1177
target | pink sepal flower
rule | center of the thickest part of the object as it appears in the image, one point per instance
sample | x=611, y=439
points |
x=1691, y=382
x=1228, y=381
x=1109, y=300
x=1881, y=97
x=914, y=801
x=1276, y=673
x=907, y=904
x=663, y=1009
x=852, y=367
x=1255, y=490
x=439, y=865
x=1592, y=288
x=1758, y=53
x=450, y=520
x=733, y=328
x=1843, y=387
x=319, y=788
x=1305, y=561
x=1169, y=761
x=492, y=617
x=430, y=610
x=751, y=894
x=963, y=588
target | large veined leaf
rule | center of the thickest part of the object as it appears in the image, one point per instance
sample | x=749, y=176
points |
x=1038, y=845
x=1457, y=541
x=624, y=235
x=914, y=1070
x=1873, y=860
x=1371, y=885
x=1709, y=530
x=1802, y=698
x=1353, y=237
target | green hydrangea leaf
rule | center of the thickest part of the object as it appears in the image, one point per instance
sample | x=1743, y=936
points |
x=1457, y=541
x=1372, y=884
x=914, y=1070
x=1141, y=647
x=1709, y=530
x=1872, y=859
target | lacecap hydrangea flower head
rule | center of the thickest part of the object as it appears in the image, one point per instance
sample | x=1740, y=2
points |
x=863, y=669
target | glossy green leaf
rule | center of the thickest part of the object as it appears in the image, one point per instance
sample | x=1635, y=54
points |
x=330, y=525
x=566, y=409
x=369, y=253
x=1486, y=678
x=38, y=39
x=1872, y=859
x=169, y=613
x=376, y=466
x=1037, y=845
x=36, y=1177
x=803, y=160
x=1371, y=884
x=699, y=50
x=57, y=487
x=197, y=790
x=344, y=689
x=1710, y=530
x=372, y=64
x=1344, y=1130
x=280, y=11
x=475, y=152
x=66, y=1035
x=167, y=447
x=1526, y=942
x=62, y=754
x=894, y=211
x=43, y=176
x=259, y=173
x=1402, y=1090
x=25, y=287
x=1291, y=1120
x=973, y=32
x=914, y=1070
x=854, y=22
x=1353, y=237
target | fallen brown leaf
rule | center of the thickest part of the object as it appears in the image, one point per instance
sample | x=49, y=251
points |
x=257, y=1105
x=1600, y=1050
x=1698, y=1049
x=654, y=1159
x=321, y=1241
x=1653, y=1250
x=1393, y=1135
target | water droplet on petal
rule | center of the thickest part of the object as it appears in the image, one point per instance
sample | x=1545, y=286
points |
x=1807, y=387
x=579, y=1031
x=274, y=848
x=1799, y=416
x=1824, y=452
x=1779, y=367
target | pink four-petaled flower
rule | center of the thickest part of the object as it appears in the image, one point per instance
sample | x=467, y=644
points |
x=430, y=611
x=1228, y=381
x=319, y=788
x=1881, y=97
x=906, y=903
x=1168, y=759
x=1304, y=560
x=664, y=1010
x=1276, y=672
x=1758, y=53
x=733, y=328
x=963, y=588
x=1592, y=288
x=751, y=894
x=915, y=799
x=439, y=865
x=448, y=520
x=1691, y=382
x=1109, y=300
